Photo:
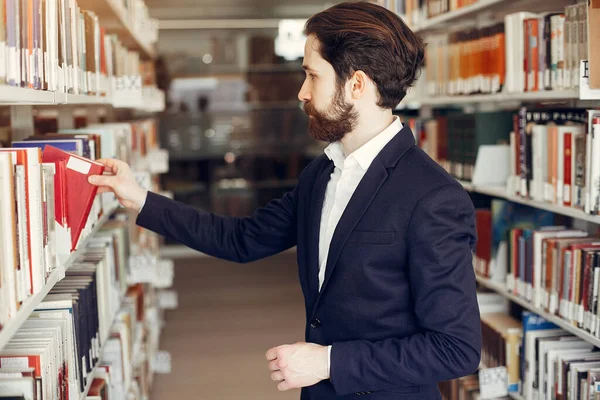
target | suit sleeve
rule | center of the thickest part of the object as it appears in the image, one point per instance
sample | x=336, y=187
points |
x=270, y=230
x=440, y=239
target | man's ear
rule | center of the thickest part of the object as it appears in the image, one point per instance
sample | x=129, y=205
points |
x=358, y=84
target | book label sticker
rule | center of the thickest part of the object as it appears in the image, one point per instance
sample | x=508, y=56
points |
x=14, y=362
x=493, y=383
x=168, y=299
x=76, y=164
x=162, y=362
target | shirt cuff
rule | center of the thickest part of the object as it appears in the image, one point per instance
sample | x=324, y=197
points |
x=329, y=360
x=143, y=203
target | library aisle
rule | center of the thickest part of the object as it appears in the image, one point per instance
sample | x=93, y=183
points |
x=229, y=315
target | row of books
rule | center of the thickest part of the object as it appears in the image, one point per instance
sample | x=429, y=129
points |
x=99, y=327
x=553, y=267
x=554, y=157
x=552, y=154
x=63, y=337
x=139, y=20
x=527, y=52
x=542, y=361
x=55, y=45
x=48, y=207
x=454, y=140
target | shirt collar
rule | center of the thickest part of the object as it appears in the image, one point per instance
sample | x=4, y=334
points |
x=365, y=154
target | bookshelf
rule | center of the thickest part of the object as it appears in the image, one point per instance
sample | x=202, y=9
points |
x=114, y=17
x=458, y=15
x=482, y=8
x=150, y=100
x=32, y=302
x=500, y=192
x=550, y=95
x=516, y=396
x=500, y=289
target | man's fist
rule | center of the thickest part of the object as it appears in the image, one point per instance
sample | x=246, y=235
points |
x=121, y=182
x=298, y=365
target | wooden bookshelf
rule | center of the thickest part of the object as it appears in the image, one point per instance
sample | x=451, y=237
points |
x=30, y=304
x=501, y=289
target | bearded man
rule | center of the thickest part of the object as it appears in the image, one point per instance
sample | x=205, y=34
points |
x=384, y=235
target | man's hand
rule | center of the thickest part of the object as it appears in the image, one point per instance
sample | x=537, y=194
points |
x=122, y=182
x=298, y=365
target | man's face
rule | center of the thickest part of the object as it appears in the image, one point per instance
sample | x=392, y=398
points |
x=331, y=117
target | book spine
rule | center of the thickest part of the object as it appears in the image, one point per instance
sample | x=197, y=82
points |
x=595, y=177
x=560, y=54
x=522, y=153
x=568, y=162
x=579, y=188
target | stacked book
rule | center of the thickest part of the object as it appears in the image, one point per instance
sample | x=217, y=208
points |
x=57, y=46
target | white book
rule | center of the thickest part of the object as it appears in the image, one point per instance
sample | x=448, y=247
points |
x=18, y=386
x=530, y=359
x=8, y=233
x=540, y=161
x=575, y=39
x=595, y=167
x=551, y=359
x=73, y=12
x=587, y=207
x=36, y=227
x=24, y=271
x=515, y=52
x=559, y=343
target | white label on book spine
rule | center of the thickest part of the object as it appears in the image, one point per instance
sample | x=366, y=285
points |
x=493, y=383
x=510, y=282
x=168, y=299
x=81, y=166
x=162, y=362
x=14, y=362
x=567, y=193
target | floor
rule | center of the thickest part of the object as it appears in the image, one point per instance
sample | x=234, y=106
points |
x=229, y=315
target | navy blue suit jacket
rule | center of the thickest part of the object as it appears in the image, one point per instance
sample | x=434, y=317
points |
x=398, y=302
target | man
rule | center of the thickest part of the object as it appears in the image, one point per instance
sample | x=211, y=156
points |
x=384, y=235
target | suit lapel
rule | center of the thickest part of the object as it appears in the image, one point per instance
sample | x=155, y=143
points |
x=314, y=224
x=359, y=202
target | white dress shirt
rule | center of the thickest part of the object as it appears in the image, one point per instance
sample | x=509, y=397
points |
x=343, y=181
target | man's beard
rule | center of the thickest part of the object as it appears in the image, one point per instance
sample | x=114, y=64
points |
x=332, y=125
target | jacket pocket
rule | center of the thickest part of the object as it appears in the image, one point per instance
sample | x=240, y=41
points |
x=372, y=237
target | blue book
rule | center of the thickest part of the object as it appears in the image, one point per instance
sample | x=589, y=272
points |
x=74, y=146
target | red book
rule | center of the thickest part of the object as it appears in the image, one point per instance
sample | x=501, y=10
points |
x=568, y=163
x=483, y=224
x=80, y=193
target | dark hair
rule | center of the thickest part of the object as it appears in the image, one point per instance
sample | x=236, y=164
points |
x=364, y=36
